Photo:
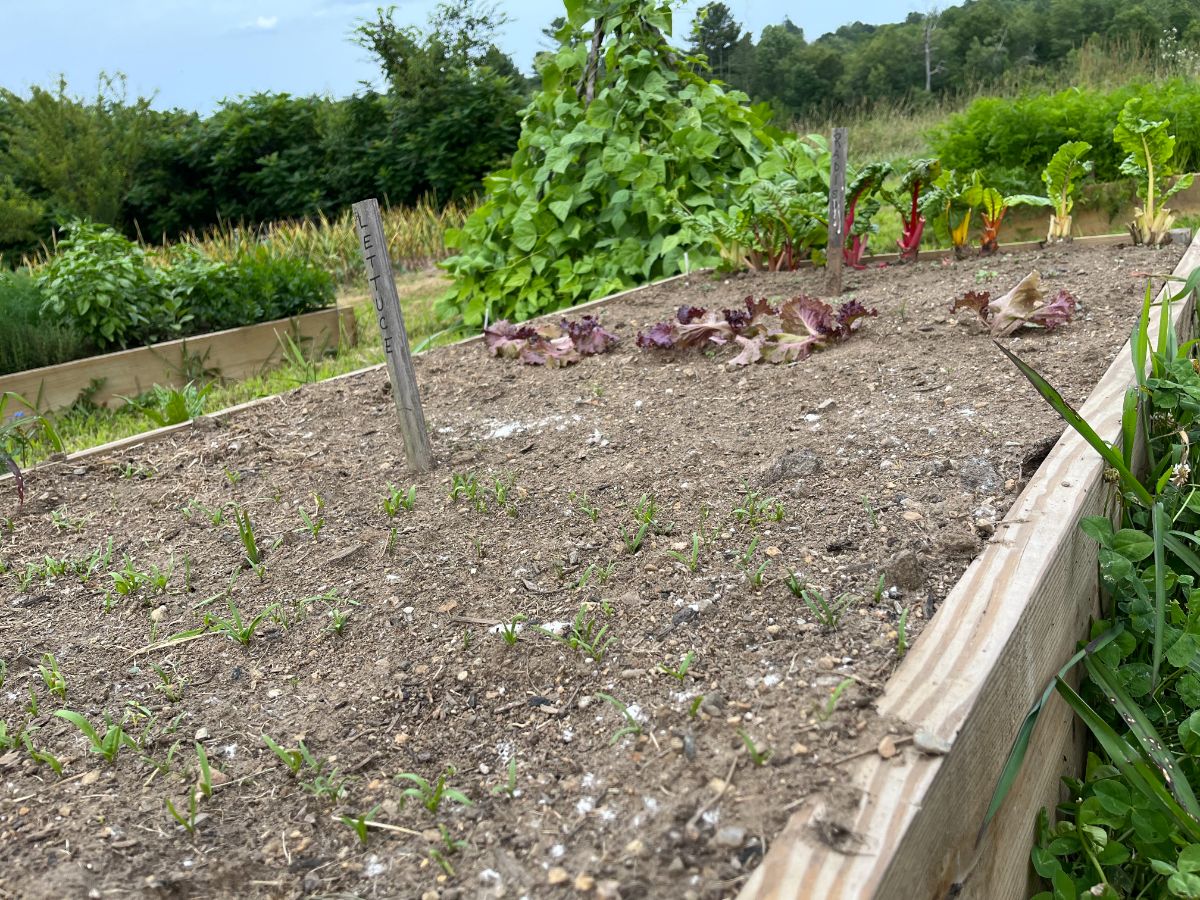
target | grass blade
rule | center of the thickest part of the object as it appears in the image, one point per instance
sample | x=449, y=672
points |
x=1076, y=421
x=1161, y=526
x=1016, y=756
x=1129, y=420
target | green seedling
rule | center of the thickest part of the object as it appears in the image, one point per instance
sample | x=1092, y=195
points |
x=689, y=561
x=756, y=508
x=509, y=631
x=338, y=620
x=295, y=759
x=360, y=822
x=205, y=780
x=397, y=500
x=796, y=584
x=7, y=741
x=444, y=864
x=509, y=788
x=52, y=677
x=468, y=638
x=756, y=575
x=171, y=689
x=585, y=505
x=314, y=523
x=902, y=634
x=694, y=707
x=501, y=489
x=215, y=516
x=32, y=706
x=631, y=727
x=245, y=531
x=127, y=579
x=646, y=510
x=107, y=745
x=633, y=543
x=587, y=635
x=3, y=672
x=235, y=627
x=758, y=757
x=158, y=580
x=41, y=757
x=464, y=487
x=62, y=522
x=835, y=697
x=747, y=557
x=679, y=673
x=232, y=475
x=432, y=796
x=879, y=588
x=329, y=786
x=390, y=547
x=827, y=612
x=450, y=846
x=872, y=513
x=186, y=819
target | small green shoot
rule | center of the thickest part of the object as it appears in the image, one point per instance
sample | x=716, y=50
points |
x=360, y=822
x=235, y=627
x=314, y=523
x=107, y=745
x=41, y=757
x=52, y=677
x=337, y=620
x=633, y=542
x=688, y=561
x=245, y=530
x=186, y=819
x=205, y=781
x=827, y=612
x=679, y=673
x=585, y=505
x=758, y=757
x=295, y=759
x=509, y=631
x=835, y=697
x=509, y=788
x=586, y=635
x=397, y=500
x=631, y=727
x=432, y=795
x=902, y=634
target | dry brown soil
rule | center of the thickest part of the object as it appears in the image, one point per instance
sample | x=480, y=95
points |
x=892, y=455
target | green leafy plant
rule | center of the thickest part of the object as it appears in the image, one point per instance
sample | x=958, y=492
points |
x=992, y=206
x=171, y=406
x=41, y=757
x=23, y=435
x=757, y=756
x=633, y=540
x=52, y=677
x=631, y=724
x=360, y=824
x=295, y=758
x=337, y=620
x=245, y=529
x=315, y=522
x=688, y=561
x=509, y=787
x=1150, y=147
x=906, y=199
x=679, y=673
x=510, y=630
x=107, y=745
x=188, y=818
x=586, y=507
x=827, y=612
x=397, y=500
x=754, y=509
x=432, y=795
x=835, y=697
x=586, y=635
x=950, y=200
x=235, y=627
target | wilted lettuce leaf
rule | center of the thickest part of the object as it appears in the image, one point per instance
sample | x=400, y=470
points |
x=548, y=344
x=1023, y=305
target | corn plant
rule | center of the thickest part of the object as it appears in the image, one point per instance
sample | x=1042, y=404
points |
x=245, y=531
x=432, y=795
x=186, y=819
x=205, y=781
x=295, y=759
x=107, y=745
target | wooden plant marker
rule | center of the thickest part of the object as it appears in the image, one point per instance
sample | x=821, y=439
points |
x=837, y=213
x=395, y=339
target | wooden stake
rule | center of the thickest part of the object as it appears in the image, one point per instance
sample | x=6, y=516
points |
x=395, y=339
x=837, y=213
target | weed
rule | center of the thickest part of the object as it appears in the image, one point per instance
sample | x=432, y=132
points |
x=359, y=823
x=107, y=745
x=828, y=613
x=509, y=788
x=631, y=726
x=129, y=470
x=52, y=677
x=468, y=638
x=509, y=630
x=694, y=707
x=235, y=627
x=691, y=561
x=585, y=505
x=432, y=795
x=586, y=635
x=871, y=511
x=397, y=500
x=758, y=757
x=314, y=523
x=679, y=673
x=835, y=697
x=302, y=368
x=232, y=475
x=62, y=522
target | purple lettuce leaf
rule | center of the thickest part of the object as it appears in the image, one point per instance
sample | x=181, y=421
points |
x=848, y=315
x=751, y=350
x=976, y=301
x=687, y=314
x=661, y=336
x=808, y=315
x=588, y=336
x=1057, y=312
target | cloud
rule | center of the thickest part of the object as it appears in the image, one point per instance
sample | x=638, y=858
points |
x=264, y=23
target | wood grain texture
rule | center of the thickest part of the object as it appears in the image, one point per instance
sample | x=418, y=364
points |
x=235, y=353
x=837, y=213
x=1009, y=623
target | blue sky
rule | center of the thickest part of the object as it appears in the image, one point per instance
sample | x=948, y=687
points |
x=191, y=54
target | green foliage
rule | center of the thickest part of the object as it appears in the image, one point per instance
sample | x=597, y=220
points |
x=1011, y=140
x=170, y=406
x=28, y=340
x=1151, y=149
x=609, y=147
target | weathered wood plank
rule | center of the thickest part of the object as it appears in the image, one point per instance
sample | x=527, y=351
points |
x=834, y=249
x=1005, y=628
x=233, y=353
x=382, y=280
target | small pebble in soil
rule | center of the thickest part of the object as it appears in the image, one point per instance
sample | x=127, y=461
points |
x=730, y=836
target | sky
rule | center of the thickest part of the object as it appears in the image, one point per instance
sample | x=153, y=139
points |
x=192, y=54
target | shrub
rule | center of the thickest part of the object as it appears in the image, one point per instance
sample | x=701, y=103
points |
x=1011, y=141
x=27, y=340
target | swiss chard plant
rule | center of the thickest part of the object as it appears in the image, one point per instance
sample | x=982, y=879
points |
x=992, y=206
x=950, y=203
x=861, y=207
x=906, y=198
x=765, y=333
x=548, y=344
x=1061, y=176
x=1150, y=147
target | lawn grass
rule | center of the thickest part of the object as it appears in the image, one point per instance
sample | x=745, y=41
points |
x=82, y=427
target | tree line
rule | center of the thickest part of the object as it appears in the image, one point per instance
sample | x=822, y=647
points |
x=450, y=111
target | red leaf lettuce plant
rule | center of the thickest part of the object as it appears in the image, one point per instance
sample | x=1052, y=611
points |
x=1025, y=304
x=548, y=344
x=765, y=333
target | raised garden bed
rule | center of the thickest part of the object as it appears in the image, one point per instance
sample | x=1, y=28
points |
x=894, y=454
x=234, y=353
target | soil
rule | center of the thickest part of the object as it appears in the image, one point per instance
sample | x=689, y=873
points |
x=894, y=455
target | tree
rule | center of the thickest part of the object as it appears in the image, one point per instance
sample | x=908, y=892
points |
x=714, y=35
